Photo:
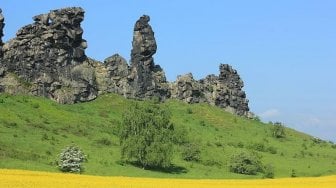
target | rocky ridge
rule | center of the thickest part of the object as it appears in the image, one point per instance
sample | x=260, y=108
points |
x=47, y=58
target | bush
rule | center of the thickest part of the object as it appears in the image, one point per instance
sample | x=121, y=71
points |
x=36, y=105
x=146, y=136
x=246, y=163
x=212, y=162
x=71, y=159
x=269, y=171
x=272, y=150
x=258, y=147
x=189, y=111
x=191, y=152
x=293, y=173
x=278, y=130
x=104, y=141
x=202, y=123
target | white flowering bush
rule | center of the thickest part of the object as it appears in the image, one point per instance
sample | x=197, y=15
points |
x=71, y=159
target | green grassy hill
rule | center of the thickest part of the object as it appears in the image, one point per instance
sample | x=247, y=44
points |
x=33, y=131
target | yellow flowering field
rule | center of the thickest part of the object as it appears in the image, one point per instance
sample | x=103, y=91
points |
x=32, y=179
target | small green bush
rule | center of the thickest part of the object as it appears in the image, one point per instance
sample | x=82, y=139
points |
x=71, y=159
x=202, y=123
x=36, y=105
x=258, y=147
x=104, y=141
x=269, y=171
x=278, y=130
x=293, y=173
x=246, y=163
x=191, y=152
x=212, y=162
x=272, y=150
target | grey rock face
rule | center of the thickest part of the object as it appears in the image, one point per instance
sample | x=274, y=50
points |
x=2, y=25
x=117, y=70
x=187, y=89
x=146, y=79
x=227, y=91
x=49, y=56
x=224, y=91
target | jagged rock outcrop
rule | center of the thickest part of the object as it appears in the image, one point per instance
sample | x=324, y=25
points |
x=112, y=75
x=146, y=79
x=187, y=89
x=224, y=91
x=46, y=58
x=2, y=25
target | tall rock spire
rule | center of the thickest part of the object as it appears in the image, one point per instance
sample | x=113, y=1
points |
x=146, y=79
x=2, y=25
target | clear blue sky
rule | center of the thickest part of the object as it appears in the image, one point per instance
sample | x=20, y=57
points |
x=285, y=51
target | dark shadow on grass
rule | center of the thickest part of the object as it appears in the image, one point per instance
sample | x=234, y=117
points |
x=172, y=169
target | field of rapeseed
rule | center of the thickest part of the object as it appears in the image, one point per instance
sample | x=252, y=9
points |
x=32, y=179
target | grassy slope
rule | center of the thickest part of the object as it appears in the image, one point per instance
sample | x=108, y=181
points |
x=34, y=130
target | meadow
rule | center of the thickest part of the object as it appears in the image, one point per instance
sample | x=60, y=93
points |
x=34, y=130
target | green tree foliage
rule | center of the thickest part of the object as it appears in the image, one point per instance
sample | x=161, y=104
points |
x=246, y=163
x=71, y=159
x=278, y=130
x=146, y=135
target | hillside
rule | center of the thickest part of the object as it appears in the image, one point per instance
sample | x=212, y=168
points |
x=33, y=130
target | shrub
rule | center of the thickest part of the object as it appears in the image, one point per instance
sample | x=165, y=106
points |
x=240, y=145
x=245, y=163
x=258, y=147
x=146, y=136
x=269, y=171
x=278, y=130
x=36, y=105
x=272, y=150
x=104, y=141
x=257, y=118
x=189, y=111
x=71, y=159
x=191, y=152
x=212, y=162
x=202, y=123
x=293, y=173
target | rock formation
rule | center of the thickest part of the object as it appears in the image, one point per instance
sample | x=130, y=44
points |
x=47, y=58
x=2, y=25
x=146, y=79
x=224, y=91
x=187, y=89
